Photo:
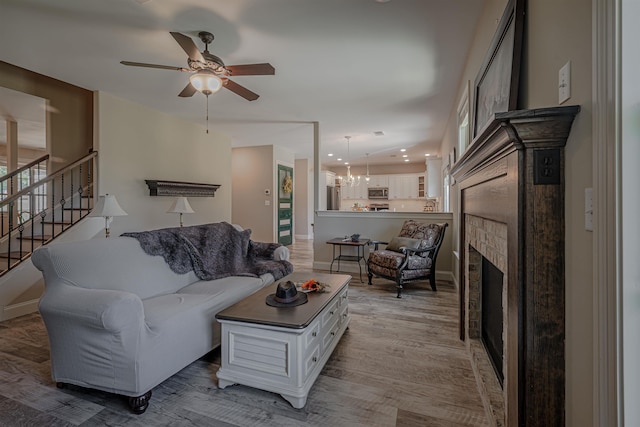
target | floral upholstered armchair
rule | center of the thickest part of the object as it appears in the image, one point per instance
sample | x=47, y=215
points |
x=410, y=256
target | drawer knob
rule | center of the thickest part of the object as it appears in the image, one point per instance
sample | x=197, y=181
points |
x=344, y=296
x=333, y=334
x=331, y=312
x=315, y=359
x=314, y=334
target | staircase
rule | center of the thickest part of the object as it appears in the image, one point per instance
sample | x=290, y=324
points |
x=37, y=207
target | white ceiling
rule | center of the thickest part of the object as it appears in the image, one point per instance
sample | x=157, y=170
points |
x=354, y=66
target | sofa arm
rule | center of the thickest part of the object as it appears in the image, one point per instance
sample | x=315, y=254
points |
x=274, y=251
x=110, y=310
x=281, y=254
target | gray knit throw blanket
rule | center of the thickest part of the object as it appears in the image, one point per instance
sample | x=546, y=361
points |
x=212, y=251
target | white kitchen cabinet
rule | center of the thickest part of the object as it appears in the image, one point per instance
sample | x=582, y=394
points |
x=378, y=181
x=403, y=186
x=327, y=177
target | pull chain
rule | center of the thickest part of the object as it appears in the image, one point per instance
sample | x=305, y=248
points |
x=207, y=113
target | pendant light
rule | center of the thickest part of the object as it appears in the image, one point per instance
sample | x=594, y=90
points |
x=351, y=181
x=367, y=177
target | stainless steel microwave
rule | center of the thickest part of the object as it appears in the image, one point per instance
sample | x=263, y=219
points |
x=379, y=193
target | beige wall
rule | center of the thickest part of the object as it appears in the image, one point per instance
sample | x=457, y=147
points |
x=70, y=125
x=559, y=32
x=399, y=168
x=136, y=143
x=556, y=32
x=303, y=199
x=253, y=173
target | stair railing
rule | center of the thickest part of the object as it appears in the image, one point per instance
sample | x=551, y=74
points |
x=19, y=179
x=38, y=213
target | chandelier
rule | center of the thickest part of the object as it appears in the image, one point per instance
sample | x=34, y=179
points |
x=349, y=180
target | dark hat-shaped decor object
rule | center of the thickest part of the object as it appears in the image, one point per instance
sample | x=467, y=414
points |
x=286, y=296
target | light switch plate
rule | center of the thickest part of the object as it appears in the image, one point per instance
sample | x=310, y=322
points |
x=588, y=209
x=564, y=83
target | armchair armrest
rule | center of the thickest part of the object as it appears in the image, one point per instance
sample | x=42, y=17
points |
x=410, y=251
x=376, y=243
x=110, y=310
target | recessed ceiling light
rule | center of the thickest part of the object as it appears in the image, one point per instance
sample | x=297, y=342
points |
x=346, y=163
x=405, y=155
x=403, y=149
x=339, y=159
x=427, y=155
x=378, y=133
x=330, y=154
x=406, y=160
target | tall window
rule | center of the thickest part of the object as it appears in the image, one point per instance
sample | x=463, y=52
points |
x=32, y=203
x=463, y=121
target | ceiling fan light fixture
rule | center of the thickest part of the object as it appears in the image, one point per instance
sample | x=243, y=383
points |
x=206, y=82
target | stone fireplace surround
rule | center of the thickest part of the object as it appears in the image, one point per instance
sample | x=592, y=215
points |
x=511, y=192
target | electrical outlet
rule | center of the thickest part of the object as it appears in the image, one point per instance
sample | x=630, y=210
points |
x=546, y=165
x=564, y=83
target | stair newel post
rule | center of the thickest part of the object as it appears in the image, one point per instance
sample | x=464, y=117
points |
x=90, y=183
x=63, y=201
x=10, y=225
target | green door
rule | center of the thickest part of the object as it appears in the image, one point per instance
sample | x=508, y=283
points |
x=285, y=205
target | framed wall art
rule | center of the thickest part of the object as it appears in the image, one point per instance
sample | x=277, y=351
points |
x=496, y=85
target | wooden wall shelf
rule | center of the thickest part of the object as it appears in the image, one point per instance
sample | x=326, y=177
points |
x=177, y=188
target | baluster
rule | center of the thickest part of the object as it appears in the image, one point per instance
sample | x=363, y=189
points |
x=80, y=189
x=10, y=210
x=70, y=195
x=53, y=202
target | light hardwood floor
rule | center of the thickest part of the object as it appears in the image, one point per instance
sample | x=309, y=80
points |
x=400, y=363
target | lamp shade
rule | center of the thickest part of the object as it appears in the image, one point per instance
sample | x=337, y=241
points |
x=206, y=82
x=180, y=205
x=107, y=206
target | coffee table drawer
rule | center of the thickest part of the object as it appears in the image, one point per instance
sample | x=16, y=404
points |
x=312, y=334
x=310, y=362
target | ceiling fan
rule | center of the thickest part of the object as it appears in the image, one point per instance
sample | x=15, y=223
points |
x=210, y=73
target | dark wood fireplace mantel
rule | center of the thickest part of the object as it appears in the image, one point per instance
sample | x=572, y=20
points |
x=513, y=173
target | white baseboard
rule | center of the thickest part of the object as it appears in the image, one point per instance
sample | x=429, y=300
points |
x=20, y=309
x=303, y=237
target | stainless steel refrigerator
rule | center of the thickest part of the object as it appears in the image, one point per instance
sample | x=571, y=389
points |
x=333, y=198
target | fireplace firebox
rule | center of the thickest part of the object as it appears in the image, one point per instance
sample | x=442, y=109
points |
x=491, y=324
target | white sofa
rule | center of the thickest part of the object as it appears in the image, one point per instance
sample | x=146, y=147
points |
x=121, y=321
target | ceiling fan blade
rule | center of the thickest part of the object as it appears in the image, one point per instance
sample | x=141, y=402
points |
x=251, y=69
x=162, y=67
x=240, y=90
x=187, y=44
x=188, y=91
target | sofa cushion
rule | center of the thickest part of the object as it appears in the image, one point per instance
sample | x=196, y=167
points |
x=117, y=263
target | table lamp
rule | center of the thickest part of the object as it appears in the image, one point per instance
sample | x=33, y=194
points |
x=180, y=205
x=107, y=207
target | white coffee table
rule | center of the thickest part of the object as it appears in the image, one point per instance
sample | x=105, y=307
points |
x=283, y=350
